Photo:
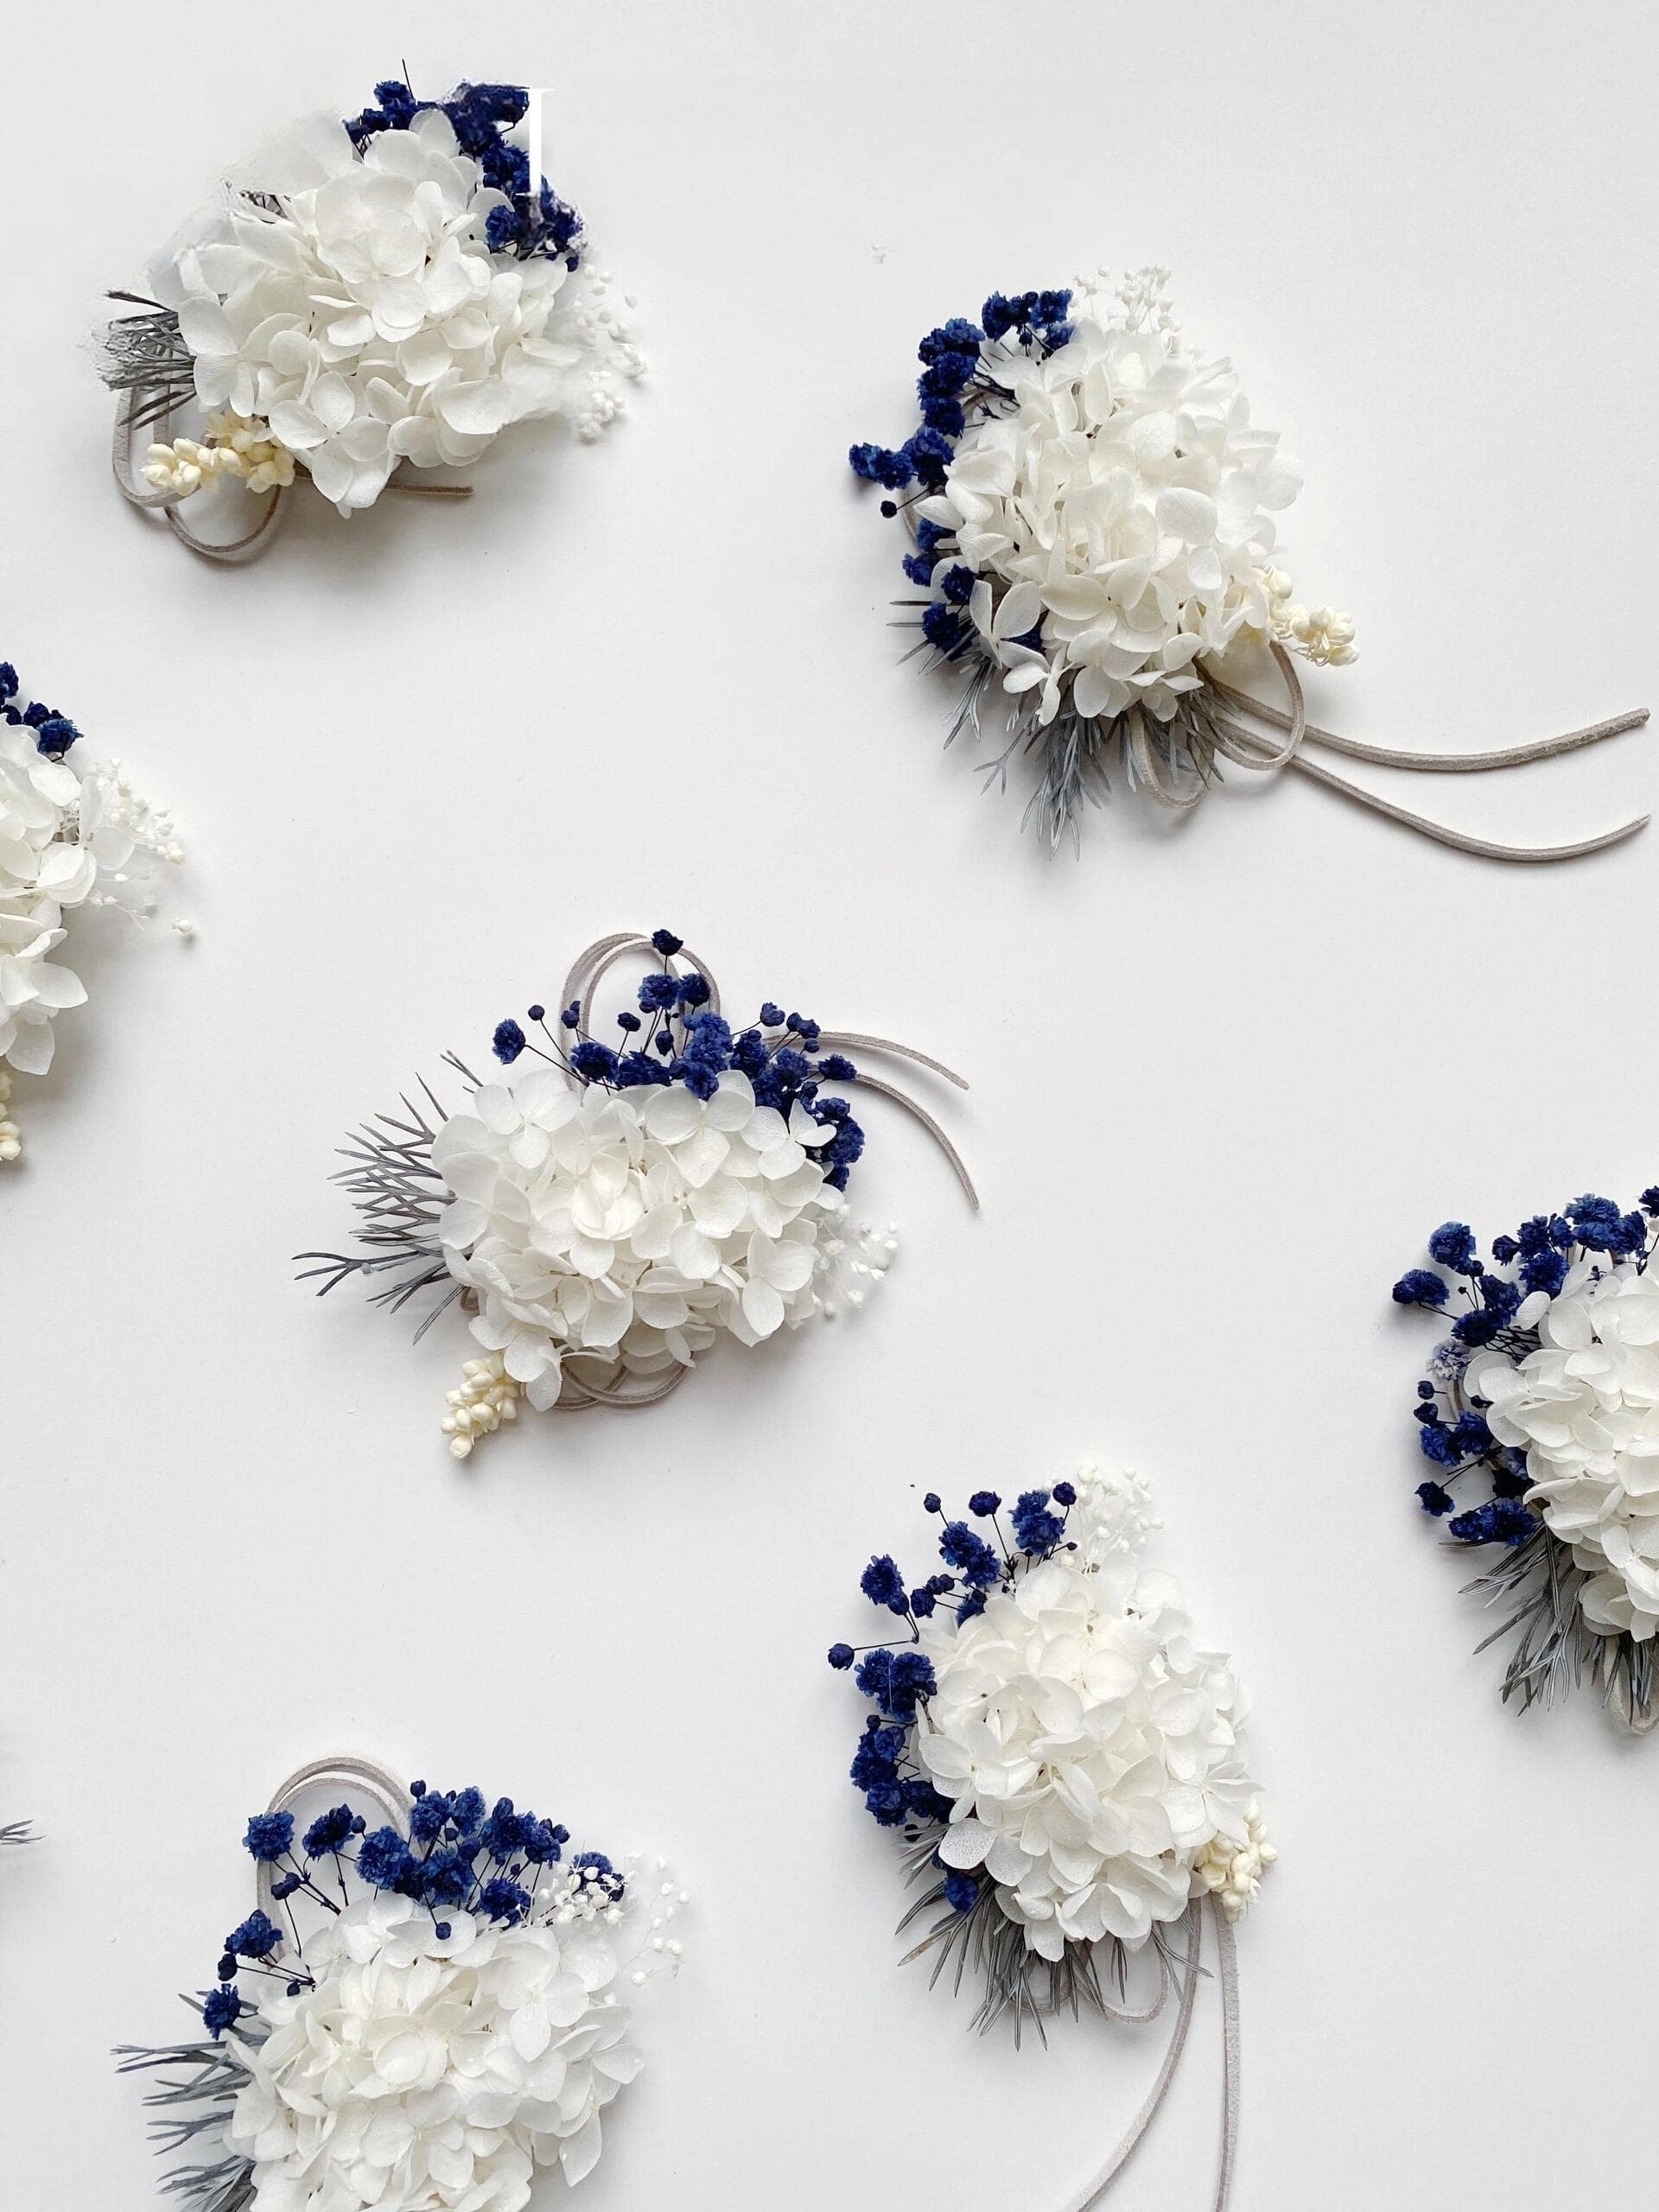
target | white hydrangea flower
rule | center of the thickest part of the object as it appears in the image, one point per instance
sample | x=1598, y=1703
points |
x=1123, y=501
x=633, y=1226
x=429, y=2073
x=1093, y=1756
x=72, y=834
x=349, y=306
x=1585, y=1408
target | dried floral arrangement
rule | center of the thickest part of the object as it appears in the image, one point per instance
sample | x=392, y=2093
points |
x=1093, y=547
x=372, y=298
x=75, y=837
x=1540, y=1415
x=418, y=2015
x=606, y=1213
x=1067, y=1769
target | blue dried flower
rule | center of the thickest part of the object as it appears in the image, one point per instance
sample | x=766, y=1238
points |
x=967, y=1551
x=1454, y=1245
x=1501, y=1520
x=883, y=1585
x=257, y=1938
x=383, y=1860
x=332, y=1831
x=269, y=1834
x=504, y=1901
x=593, y=1062
x=1036, y=1530
x=897, y=1680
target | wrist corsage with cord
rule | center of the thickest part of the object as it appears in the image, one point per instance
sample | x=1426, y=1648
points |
x=1065, y=1768
x=1093, y=551
x=1539, y=1416
x=428, y=2004
x=368, y=298
x=605, y=1211
x=75, y=837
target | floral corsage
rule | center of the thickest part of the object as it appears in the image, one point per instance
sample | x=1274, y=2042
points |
x=1090, y=513
x=1540, y=1416
x=72, y=834
x=604, y=1213
x=425, y=2007
x=372, y=296
x=1066, y=1769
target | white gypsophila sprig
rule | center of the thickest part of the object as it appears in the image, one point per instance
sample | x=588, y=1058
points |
x=346, y=307
x=1092, y=1754
x=629, y=1229
x=1584, y=1407
x=1115, y=504
x=73, y=835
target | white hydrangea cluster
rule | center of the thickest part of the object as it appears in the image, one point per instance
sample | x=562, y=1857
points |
x=1092, y=1754
x=630, y=1226
x=1123, y=501
x=70, y=836
x=427, y=2071
x=347, y=305
x=1585, y=1408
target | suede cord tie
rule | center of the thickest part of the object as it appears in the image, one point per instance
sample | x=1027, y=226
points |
x=1227, y=738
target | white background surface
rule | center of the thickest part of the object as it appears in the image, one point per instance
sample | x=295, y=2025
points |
x=1225, y=1077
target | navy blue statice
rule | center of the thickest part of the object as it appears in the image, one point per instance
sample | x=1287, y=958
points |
x=454, y=1853
x=899, y=1681
x=1481, y=1301
x=677, y=1037
x=268, y=1835
x=531, y=219
x=54, y=733
x=965, y=378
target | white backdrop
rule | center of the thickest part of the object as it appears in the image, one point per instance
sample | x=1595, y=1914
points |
x=1225, y=1076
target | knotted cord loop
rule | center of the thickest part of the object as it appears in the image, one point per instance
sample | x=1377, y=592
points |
x=591, y=967
x=149, y=407
x=140, y=398
x=344, y=1773
x=1227, y=1973
x=1247, y=748
x=851, y=1040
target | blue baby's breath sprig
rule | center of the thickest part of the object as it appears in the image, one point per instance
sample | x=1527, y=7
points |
x=901, y=1683
x=1481, y=1489
x=534, y=219
x=897, y=1794
x=455, y=1852
x=960, y=361
x=53, y=732
x=677, y=1038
